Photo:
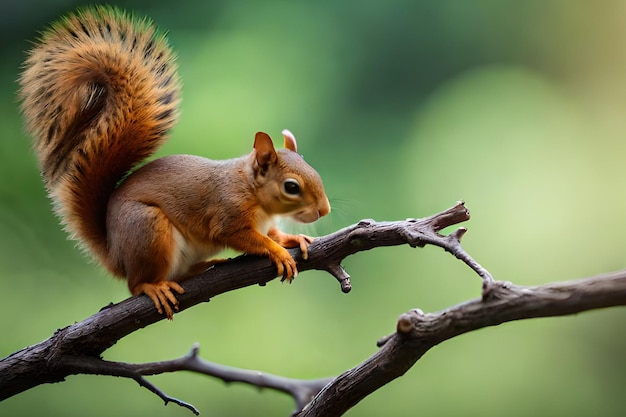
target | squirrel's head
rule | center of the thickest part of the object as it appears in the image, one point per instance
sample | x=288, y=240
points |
x=287, y=185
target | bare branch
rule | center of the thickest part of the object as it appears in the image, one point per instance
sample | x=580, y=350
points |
x=77, y=348
x=301, y=390
x=341, y=275
x=417, y=332
x=52, y=359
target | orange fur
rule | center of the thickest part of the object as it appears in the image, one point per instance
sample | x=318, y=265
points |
x=99, y=94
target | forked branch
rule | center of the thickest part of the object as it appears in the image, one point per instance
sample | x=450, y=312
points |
x=301, y=390
x=63, y=353
x=417, y=332
x=77, y=348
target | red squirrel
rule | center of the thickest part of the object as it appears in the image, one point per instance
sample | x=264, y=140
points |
x=100, y=93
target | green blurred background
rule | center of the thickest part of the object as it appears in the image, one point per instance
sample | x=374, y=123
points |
x=404, y=107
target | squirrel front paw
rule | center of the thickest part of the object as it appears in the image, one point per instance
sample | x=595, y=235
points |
x=285, y=264
x=300, y=241
x=291, y=241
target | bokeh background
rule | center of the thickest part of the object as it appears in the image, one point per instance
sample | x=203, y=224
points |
x=404, y=107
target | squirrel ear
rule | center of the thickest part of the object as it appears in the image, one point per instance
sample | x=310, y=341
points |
x=290, y=140
x=265, y=152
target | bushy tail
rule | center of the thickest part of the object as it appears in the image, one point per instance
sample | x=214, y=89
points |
x=99, y=94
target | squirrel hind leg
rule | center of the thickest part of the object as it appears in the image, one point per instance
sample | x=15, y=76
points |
x=162, y=292
x=162, y=295
x=142, y=243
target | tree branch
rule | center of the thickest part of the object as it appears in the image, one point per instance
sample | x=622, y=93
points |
x=301, y=390
x=49, y=360
x=77, y=348
x=417, y=332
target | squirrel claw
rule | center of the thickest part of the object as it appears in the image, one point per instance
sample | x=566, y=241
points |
x=286, y=267
x=161, y=295
x=289, y=278
x=304, y=242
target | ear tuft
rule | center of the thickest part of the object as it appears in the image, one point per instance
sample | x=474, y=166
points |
x=290, y=140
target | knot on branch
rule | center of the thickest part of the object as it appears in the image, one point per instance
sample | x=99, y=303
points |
x=406, y=321
x=404, y=325
x=498, y=290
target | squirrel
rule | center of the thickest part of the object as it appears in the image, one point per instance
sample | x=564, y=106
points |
x=100, y=93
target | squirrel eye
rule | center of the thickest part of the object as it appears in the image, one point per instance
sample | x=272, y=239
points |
x=291, y=186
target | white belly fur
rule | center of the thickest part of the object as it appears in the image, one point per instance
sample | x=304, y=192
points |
x=186, y=254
